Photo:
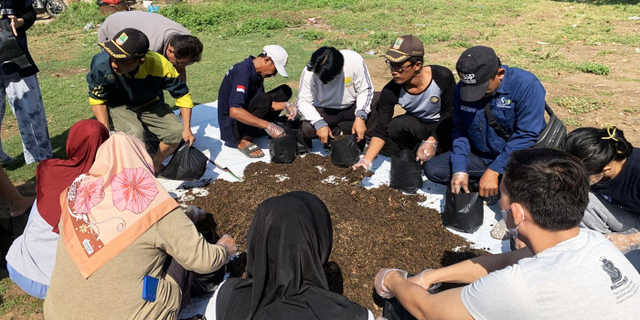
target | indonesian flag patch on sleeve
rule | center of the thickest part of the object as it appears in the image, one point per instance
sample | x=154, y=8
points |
x=240, y=88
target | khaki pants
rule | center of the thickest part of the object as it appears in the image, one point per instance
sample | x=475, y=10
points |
x=157, y=117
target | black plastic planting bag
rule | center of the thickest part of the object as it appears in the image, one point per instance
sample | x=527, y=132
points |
x=344, y=151
x=463, y=211
x=12, y=58
x=188, y=163
x=303, y=145
x=406, y=173
x=283, y=149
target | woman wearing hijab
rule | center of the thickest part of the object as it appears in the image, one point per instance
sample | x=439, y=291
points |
x=288, y=243
x=31, y=258
x=117, y=228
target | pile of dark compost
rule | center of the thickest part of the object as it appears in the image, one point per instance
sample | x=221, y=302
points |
x=373, y=228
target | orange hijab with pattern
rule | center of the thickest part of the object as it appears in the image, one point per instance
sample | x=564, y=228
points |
x=106, y=210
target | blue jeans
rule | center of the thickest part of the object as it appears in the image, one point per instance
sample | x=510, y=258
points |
x=438, y=169
x=35, y=289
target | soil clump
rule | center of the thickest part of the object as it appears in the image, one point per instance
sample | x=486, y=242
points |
x=372, y=228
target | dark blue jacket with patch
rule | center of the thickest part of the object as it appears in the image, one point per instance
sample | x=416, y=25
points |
x=517, y=105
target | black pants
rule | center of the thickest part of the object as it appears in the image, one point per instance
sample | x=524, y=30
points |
x=408, y=131
x=339, y=118
x=260, y=107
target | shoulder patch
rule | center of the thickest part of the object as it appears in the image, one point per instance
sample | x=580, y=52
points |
x=434, y=99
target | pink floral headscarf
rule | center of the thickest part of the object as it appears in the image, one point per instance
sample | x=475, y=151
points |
x=107, y=209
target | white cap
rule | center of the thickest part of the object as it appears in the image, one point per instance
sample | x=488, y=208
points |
x=279, y=57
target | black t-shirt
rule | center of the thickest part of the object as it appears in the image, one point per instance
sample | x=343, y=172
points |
x=21, y=9
x=431, y=105
x=624, y=189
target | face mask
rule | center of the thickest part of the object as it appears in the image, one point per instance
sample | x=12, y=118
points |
x=512, y=231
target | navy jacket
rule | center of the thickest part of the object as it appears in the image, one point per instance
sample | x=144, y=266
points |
x=517, y=105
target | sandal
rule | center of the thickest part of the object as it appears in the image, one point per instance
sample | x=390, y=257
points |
x=250, y=148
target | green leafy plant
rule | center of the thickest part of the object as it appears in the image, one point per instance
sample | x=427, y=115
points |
x=592, y=67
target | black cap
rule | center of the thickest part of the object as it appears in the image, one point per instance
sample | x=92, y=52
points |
x=405, y=47
x=128, y=43
x=476, y=66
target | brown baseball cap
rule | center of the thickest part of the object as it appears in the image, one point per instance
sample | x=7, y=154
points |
x=128, y=43
x=405, y=47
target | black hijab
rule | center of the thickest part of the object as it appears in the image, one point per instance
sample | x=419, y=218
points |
x=288, y=243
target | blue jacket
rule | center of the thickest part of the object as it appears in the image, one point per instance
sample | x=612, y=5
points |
x=517, y=105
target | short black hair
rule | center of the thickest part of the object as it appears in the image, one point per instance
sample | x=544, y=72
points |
x=326, y=63
x=552, y=184
x=497, y=70
x=414, y=60
x=596, y=148
x=187, y=46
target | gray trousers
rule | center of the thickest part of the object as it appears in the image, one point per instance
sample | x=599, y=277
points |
x=25, y=100
x=605, y=217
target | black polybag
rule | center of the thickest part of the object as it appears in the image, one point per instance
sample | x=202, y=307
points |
x=344, y=152
x=405, y=174
x=463, y=211
x=12, y=58
x=303, y=145
x=188, y=163
x=283, y=149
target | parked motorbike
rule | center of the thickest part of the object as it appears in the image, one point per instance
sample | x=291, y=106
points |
x=52, y=7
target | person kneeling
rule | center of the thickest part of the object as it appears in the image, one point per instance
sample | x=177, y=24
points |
x=544, y=195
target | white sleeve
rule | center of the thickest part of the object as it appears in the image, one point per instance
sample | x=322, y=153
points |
x=364, y=88
x=305, y=99
x=502, y=294
x=370, y=314
x=211, y=310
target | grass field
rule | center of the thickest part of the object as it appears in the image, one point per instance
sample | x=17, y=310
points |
x=584, y=52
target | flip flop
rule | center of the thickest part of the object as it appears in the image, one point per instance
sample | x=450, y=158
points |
x=251, y=147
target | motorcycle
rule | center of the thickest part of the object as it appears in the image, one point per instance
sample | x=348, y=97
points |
x=52, y=7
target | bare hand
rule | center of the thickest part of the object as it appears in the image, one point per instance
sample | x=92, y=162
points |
x=489, y=183
x=15, y=23
x=359, y=128
x=459, y=182
x=188, y=136
x=324, y=134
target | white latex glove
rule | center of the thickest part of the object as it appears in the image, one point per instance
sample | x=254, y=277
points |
x=274, y=130
x=381, y=289
x=291, y=110
x=459, y=182
x=427, y=150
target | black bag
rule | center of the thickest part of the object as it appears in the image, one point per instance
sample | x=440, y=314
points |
x=283, y=149
x=12, y=58
x=188, y=163
x=406, y=173
x=344, y=152
x=303, y=145
x=463, y=211
x=552, y=136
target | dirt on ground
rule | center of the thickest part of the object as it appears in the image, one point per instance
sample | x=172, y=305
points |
x=373, y=228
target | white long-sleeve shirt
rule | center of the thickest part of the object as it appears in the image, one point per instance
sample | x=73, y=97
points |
x=352, y=85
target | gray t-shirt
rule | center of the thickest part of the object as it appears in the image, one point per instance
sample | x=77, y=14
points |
x=585, y=277
x=158, y=28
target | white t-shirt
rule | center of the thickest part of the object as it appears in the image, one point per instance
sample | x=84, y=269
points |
x=352, y=85
x=585, y=277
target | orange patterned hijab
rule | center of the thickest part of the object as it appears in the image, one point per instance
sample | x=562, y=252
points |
x=106, y=210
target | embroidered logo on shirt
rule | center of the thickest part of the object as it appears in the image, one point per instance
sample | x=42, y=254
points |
x=240, y=88
x=348, y=82
x=503, y=103
x=398, y=43
x=434, y=99
x=122, y=39
x=468, y=109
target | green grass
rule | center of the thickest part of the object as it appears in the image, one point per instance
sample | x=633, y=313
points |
x=579, y=105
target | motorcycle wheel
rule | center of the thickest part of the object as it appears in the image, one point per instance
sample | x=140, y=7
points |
x=54, y=7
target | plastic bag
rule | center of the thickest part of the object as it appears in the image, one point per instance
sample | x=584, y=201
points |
x=344, y=151
x=463, y=211
x=303, y=145
x=406, y=173
x=12, y=58
x=188, y=163
x=283, y=149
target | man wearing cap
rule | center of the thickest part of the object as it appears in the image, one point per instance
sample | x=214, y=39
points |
x=125, y=81
x=424, y=92
x=335, y=88
x=516, y=99
x=166, y=37
x=245, y=110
